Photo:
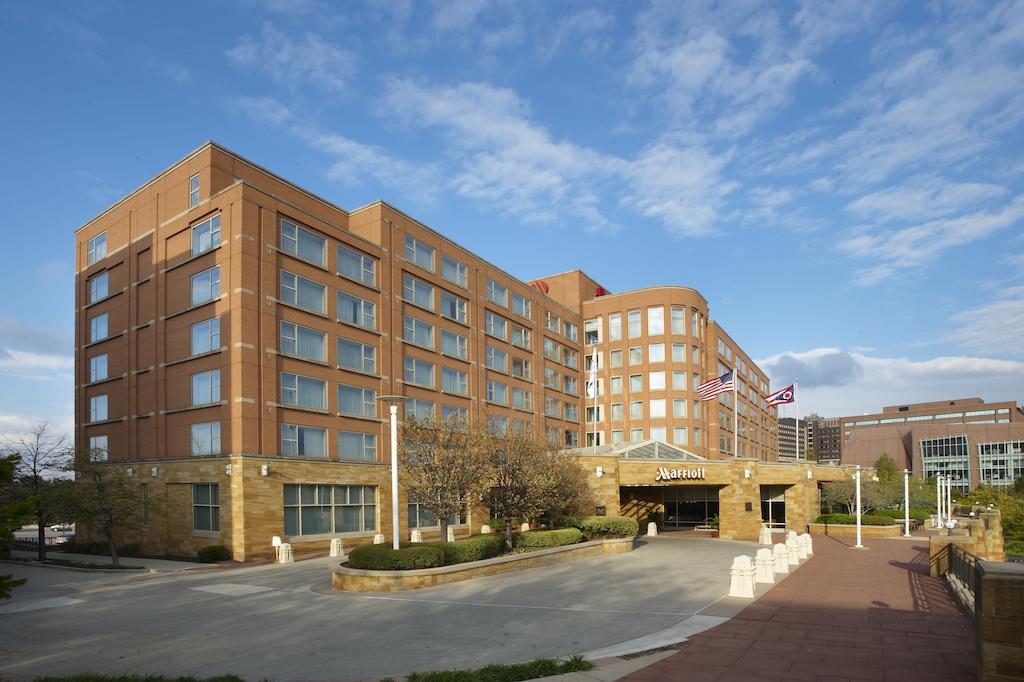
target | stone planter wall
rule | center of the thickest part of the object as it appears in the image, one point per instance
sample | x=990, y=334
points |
x=841, y=530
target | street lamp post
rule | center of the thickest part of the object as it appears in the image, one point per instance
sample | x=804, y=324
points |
x=906, y=503
x=938, y=499
x=858, y=545
x=392, y=402
x=949, y=498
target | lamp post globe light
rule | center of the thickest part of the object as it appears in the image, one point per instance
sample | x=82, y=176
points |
x=392, y=402
x=906, y=503
x=857, y=476
x=938, y=499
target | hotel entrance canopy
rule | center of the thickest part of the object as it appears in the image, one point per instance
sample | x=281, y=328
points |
x=644, y=450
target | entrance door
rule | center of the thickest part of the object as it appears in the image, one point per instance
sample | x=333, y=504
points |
x=773, y=505
x=687, y=506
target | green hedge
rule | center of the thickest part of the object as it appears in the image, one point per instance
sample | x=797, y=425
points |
x=537, y=539
x=850, y=519
x=213, y=554
x=597, y=527
x=384, y=558
x=473, y=548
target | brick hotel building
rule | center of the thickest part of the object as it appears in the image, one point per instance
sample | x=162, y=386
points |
x=234, y=333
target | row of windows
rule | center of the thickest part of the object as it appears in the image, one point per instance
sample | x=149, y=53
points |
x=593, y=332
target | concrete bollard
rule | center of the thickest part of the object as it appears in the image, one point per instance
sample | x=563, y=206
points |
x=525, y=527
x=801, y=548
x=336, y=548
x=742, y=578
x=765, y=538
x=780, y=558
x=286, y=556
x=485, y=529
x=765, y=566
x=416, y=536
x=652, y=529
x=451, y=534
x=793, y=550
x=808, y=543
x=378, y=539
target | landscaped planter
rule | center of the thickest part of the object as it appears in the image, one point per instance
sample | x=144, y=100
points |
x=357, y=580
x=843, y=530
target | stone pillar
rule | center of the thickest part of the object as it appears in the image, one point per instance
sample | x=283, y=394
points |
x=652, y=529
x=742, y=578
x=999, y=615
x=780, y=557
x=285, y=555
x=765, y=566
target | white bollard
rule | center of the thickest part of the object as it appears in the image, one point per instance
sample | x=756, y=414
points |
x=525, y=527
x=781, y=558
x=652, y=529
x=416, y=536
x=793, y=550
x=336, y=548
x=451, y=534
x=765, y=538
x=765, y=566
x=485, y=529
x=808, y=543
x=742, y=582
x=286, y=556
x=378, y=539
x=801, y=548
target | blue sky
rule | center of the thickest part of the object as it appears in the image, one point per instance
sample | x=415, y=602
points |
x=843, y=181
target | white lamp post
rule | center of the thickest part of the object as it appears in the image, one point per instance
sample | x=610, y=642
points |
x=949, y=498
x=858, y=545
x=906, y=503
x=938, y=498
x=392, y=402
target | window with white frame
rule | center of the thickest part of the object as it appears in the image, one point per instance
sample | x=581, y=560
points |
x=636, y=355
x=454, y=271
x=552, y=379
x=421, y=517
x=453, y=307
x=455, y=413
x=679, y=353
x=617, y=412
x=655, y=352
x=418, y=409
x=618, y=437
x=497, y=392
x=357, y=446
x=454, y=345
x=521, y=337
x=311, y=509
x=97, y=248
x=551, y=321
x=570, y=331
x=98, y=367
x=206, y=235
x=98, y=408
x=98, y=327
x=615, y=385
x=417, y=292
x=418, y=332
x=303, y=441
x=678, y=320
x=361, y=357
x=655, y=320
x=636, y=435
x=657, y=408
x=303, y=243
x=98, y=287
x=590, y=412
x=679, y=435
x=679, y=381
x=303, y=342
x=206, y=507
x=659, y=433
x=357, y=266
x=572, y=439
x=495, y=325
x=570, y=358
x=636, y=409
x=521, y=306
x=497, y=425
x=303, y=293
x=633, y=321
x=552, y=351
x=419, y=372
x=206, y=285
x=615, y=359
x=206, y=387
x=496, y=359
x=419, y=253
x=356, y=311
x=193, y=191
x=454, y=381
x=591, y=331
x=552, y=406
x=206, y=439
x=302, y=391
x=357, y=401
x=679, y=409
x=99, y=449
x=497, y=293
x=615, y=327
x=522, y=368
x=205, y=336
x=570, y=412
x=522, y=398
x=570, y=385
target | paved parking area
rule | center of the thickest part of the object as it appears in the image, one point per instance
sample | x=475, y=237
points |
x=283, y=622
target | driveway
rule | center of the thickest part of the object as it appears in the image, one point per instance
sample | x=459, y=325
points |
x=283, y=622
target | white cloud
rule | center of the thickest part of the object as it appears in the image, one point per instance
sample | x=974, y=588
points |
x=293, y=60
x=923, y=198
x=14, y=427
x=996, y=328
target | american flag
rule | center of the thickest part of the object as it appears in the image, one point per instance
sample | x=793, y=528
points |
x=709, y=389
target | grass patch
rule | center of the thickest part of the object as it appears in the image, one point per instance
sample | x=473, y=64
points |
x=90, y=677
x=1014, y=547
x=542, y=667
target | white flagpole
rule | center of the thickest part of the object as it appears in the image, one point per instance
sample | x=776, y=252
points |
x=593, y=376
x=796, y=423
x=735, y=418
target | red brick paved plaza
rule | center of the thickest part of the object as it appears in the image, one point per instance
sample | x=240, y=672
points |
x=846, y=614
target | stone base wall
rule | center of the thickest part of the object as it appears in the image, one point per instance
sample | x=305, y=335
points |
x=842, y=530
x=999, y=613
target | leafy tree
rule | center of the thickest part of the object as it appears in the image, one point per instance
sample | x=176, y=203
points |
x=43, y=459
x=886, y=471
x=809, y=454
x=13, y=513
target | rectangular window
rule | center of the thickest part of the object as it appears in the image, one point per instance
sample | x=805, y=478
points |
x=453, y=307
x=420, y=517
x=419, y=253
x=418, y=409
x=656, y=381
x=205, y=336
x=303, y=293
x=206, y=507
x=636, y=383
x=655, y=320
x=206, y=387
x=571, y=412
x=453, y=344
x=495, y=325
x=497, y=392
x=206, y=439
x=678, y=320
x=360, y=357
x=615, y=359
x=570, y=331
x=679, y=353
x=636, y=355
x=98, y=408
x=496, y=293
x=98, y=287
x=303, y=441
x=522, y=368
x=458, y=414
x=636, y=435
x=497, y=425
x=696, y=438
x=615, y=385
x=301, y=391
x=496, y=359
x=592, y=331
x=551, y=406
x=97, y=248
x=679, y=435
x=454, y=381
x=615, y=327
x=356, y=311
x=417, y=292
x=551, y=350
x=322, y=509
x=655, y=352
x=618, y=437
x=98, y=327
x=360, y=402
x=303, y=243
x=570, y=385
x=206, y=285
x=636, y=410
x=419, y=372
x=303, y=342
x=633, y=317
x=552, y=379
x=522, y=398
x=570, y=358
x=693, y=332
x=98, y=367
x=357, y=447
x=521, y=306
x=418, y=332
x=551, y=321
x=679, y=409
x=679, y=381
x=657, y=408
x=521, y=337
x=99, y=449
x=572, y=439
x=617, y=412
x=454, y=271
x=206, y=235
x=357, y=266
x=193, y=191
x=659, y=433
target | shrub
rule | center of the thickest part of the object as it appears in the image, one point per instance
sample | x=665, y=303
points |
x=850, y=519
x=597, y=527
x=536, y=539
x=473, y=548
x=213, y=554
x=384, y=558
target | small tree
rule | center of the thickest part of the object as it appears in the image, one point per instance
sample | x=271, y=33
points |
x=444, y=465
x=885, y=469
x=43, y=458
x=13, y=513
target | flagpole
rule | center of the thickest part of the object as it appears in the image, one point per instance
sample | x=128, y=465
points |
x=796, y=404
x=593, y=373
x=735, y=419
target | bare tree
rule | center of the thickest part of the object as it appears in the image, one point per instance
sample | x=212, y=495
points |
x=444, y=465
x=43, y=458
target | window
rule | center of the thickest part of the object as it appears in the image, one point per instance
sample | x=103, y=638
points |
x=591, y=332
x=636, y=435
x=570, y=385
x=618, y=437
x=696, y=438
x=357, y=266
x=615, y=359
x=656, y=352
x=206, y=285
x=303, y=441
x=696, y=411
x=303, y=243
x=206, y=507
x=303, y=342
x=497, y=392
x=636, y=355
x=570, y=331
x=496, y=359
x=417, y=292
x=551, y=350
x=551, y=321
x=615, y=385
x=636, y=382
x=589, y=416
x=522, y=398
x=617, y=412
x=571, y=412
x=570, y=358
x=453, y=344
x=679, y=408
x=301, y=391
x=354, y=310
x=693, y=332
x=655, y=320
x=355, y=446
x=459, y=414
x=454, y=271
x=419, y=372
x=418, y=332
x=361, y=357
x=419, y=253
x=695, y=382
x=551, y=406
x=418, y=409
x=552, y=379
x=206, y=387
x=206, y=336
x=357, y=401
x=572, y=439
x=98, y=287
x=495, y=325
x=521, y=337
x=615, y=327
x=522, y=368
x=656, y=381
x=521, y=306
x=98, y=327
x=303, y=293
x=659, y=433
x=206, y=235
x=679, y=353
x=679, y=435
x=633, y=317
x=657, y=408
x=453, y=307
x=99, y=449
x=679, y=381
x=678, y=320
x=454, y=381
x=420, y=517
x=193, y=191
x=206, y=439
x=497, y=293
x=320, y=509
x=98, y=408
x=97, y=248
x=636, y=410
x=98, y=367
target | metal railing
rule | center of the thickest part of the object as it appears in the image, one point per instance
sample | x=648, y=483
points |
x=32, y=544
x=963, y=575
